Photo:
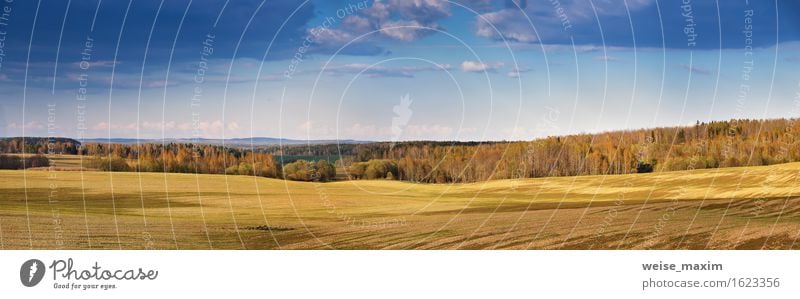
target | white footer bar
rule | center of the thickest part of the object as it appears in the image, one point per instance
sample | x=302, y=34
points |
x=398, y=274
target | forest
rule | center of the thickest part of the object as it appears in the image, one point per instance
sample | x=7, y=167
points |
x=150, y=157
x=17, y=162
x=704, y=145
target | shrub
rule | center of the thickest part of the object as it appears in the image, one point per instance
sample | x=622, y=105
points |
x=232, y=170
x=265, y=170
x=112, y=164
x=374, y=169
x=109, y=164
x=245, y=169
x=643, y=167
x=302, y=170
x=299, y=170
x=675, y=164
x=357, y=170
x=36, y=161
x=325, y=171
x=17, y=162
x=10, y=162
x=731, y=162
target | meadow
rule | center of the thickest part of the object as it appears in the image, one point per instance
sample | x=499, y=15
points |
x=729, y=208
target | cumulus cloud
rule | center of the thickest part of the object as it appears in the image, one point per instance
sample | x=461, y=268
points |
x=627, y=23
x=479, y=67
x=506, y=24
x=213, y=129
x=400, y=20
x=514, y=21
x=424, y=11
x=476, y=5
x=404, y=30
x=344, y=42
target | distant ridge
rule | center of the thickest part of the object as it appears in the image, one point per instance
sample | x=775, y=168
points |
x=259, y=141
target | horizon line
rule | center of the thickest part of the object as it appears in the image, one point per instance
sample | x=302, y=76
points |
x=419, y=140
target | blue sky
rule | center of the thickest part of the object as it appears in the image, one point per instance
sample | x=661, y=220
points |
x=390, y=69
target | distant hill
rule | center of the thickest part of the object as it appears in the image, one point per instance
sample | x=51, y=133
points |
x=63, y=145
x=256, y=141
x=39, y=145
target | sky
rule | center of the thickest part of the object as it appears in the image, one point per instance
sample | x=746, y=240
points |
x=391, y=70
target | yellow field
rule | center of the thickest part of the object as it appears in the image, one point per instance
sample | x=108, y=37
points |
x=753, y=207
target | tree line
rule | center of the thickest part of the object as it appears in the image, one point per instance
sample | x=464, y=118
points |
x=19, y=162
x=169, y=157
x=39, y=145
x=704, y=145
x=180, y=158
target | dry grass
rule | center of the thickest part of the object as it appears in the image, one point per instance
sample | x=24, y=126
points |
x=754, y=207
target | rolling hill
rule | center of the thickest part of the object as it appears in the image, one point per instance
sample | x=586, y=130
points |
x=740, y=207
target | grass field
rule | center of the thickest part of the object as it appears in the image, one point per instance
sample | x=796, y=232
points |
x=753, y=208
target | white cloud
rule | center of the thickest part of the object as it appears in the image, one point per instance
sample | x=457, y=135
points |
x=378, y=11
x=477, y=5
x=357, y=24
x=306, y=125
x=116, y=129
x=515, y=72
x=27, y=126
x=424, y=11
x=101, y=126
x=479, y=67
x=376, y=71
x=405, y=30
x=427, y=132
x=158, y=126
x=321, y=130
x=695, y=69
x=359, y=131
x=583, y=8
x=410, y=132
x=506, y=24
x=515, y=23
x=96, y=64
x=606, y=58
x=213, y=129
x=401, y=20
